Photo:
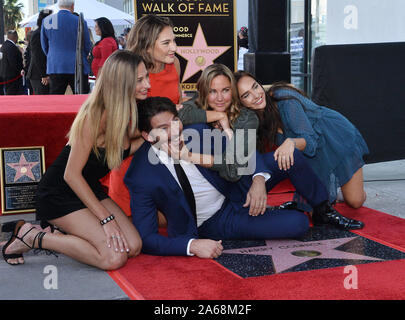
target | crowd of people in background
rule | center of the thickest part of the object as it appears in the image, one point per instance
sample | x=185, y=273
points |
x=25, y=68
x=44, y=62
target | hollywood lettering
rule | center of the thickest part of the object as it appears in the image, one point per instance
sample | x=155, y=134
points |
x=199, y=51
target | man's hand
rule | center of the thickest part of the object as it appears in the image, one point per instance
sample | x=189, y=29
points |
x=257, y=197
x=206, y=248
x=45, y=81
x=177, y=149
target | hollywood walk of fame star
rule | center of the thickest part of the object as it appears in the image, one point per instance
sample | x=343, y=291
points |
x=290, y=253
x=199, y=55
x=23, y=168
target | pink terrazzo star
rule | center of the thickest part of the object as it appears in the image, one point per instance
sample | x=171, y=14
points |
x=23, y=168
x=199, y=55
x=290, y=253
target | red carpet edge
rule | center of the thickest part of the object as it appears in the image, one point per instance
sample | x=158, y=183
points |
x=125, y=285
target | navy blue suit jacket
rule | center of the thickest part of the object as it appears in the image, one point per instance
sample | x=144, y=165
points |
x=58, y=40
x=152, y=187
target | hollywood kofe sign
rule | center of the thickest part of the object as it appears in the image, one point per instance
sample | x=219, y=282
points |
x=205, y=33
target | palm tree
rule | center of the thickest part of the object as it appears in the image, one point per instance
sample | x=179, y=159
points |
x=12, y=14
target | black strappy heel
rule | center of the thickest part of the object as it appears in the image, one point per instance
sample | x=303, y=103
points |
x=10, y=226
x=38, y=237
x=15, y=228
x=46, y=224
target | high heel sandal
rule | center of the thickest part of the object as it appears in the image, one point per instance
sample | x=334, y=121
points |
x=38, y=237
x=14, y=227
x=9, y=226
x=46, y=224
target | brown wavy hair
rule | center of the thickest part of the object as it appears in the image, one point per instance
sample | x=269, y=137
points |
x=144, y=34
x=204, y=84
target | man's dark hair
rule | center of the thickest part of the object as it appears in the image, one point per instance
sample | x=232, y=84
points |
x=12, y=34
x=42, y=15
x=106, y=28
x=150, y=107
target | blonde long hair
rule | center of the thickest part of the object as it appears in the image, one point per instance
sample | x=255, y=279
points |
x=114, y=96
x=144, y=34
x=204, y=84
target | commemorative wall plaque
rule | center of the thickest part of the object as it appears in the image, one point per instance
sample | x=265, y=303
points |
x=205, y=33
x=21, y=169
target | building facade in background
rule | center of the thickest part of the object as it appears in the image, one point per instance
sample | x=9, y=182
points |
x=328, y=22
x=35, y=6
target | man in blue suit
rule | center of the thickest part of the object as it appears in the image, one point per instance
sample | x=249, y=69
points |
x=214, y=210
x=58, y=40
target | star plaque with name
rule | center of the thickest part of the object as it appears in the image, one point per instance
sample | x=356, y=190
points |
x=323, y=247
x=21, y=169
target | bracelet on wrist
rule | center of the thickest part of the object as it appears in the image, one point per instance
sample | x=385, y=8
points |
x=107, y=220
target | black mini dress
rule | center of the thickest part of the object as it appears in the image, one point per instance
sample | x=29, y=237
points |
x=54, y=197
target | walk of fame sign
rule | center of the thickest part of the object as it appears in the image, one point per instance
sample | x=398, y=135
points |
x=205, y=33
x=21, y=169
x=323, y=247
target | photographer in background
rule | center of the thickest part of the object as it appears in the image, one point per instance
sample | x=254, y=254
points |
x=243, y=46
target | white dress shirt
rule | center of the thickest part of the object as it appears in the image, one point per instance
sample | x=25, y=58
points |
x=208, y=199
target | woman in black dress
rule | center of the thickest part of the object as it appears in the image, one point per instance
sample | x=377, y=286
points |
x=70, y=196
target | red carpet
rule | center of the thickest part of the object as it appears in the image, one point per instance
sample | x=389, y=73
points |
x=184, y=278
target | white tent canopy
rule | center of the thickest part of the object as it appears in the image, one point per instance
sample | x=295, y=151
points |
x=91, y=9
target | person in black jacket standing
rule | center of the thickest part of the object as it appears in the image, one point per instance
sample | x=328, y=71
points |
x=37, y=67
x=1, y=75
x=12, y=64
